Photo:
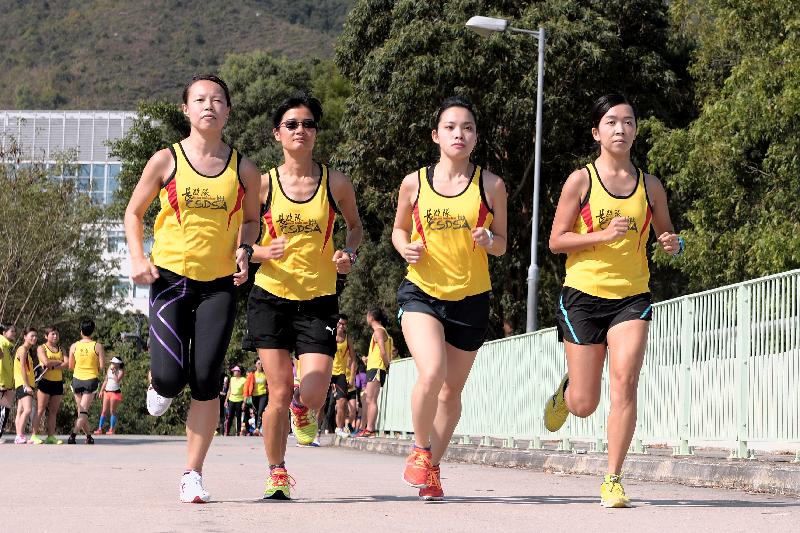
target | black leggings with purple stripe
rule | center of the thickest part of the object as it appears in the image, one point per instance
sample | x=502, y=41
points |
x=190, y=329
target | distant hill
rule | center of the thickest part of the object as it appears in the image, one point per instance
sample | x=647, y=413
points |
x=103, y=54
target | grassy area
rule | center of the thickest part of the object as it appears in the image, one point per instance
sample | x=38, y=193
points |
x=104, y=54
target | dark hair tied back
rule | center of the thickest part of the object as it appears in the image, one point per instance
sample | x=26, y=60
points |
x=606, y=102
x=378, y=315
x=206, y=77
x=455, y=101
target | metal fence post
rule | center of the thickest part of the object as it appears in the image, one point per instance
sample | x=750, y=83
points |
x=742, y=376
x=686, y=345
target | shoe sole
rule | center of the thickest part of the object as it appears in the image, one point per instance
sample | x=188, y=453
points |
x=615, y=505
x=277, y=495
x=197, y=499
x=432, y=498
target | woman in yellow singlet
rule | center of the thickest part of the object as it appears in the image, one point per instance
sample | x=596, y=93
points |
x=86, y=359
x=51, y=387
x=203, y=236
x=342, y=375
x=260, y=395
x=25, y=383
x=293, y=306
x=602, y=223
x=378, y=358
x=8, y=335
x=450, y=217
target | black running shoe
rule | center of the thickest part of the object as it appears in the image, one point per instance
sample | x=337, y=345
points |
x=71, y=439
x=89, y=439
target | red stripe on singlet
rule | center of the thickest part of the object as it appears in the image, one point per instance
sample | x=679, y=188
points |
x=586, y=214
x=172, y=197
x=270, y=226
x=418, y=223
x=483, y=212
x=646, y=225
x=238, y=205
x=329, y=230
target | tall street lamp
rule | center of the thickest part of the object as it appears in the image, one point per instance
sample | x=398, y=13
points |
x=485, y=26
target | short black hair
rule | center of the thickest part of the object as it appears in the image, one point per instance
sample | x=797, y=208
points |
x=207, y=77
x=606, y=102
x=455, y=101
x=299, y=99
x=7, y=327
x=343, y=316
x=378, y=315
x=87, y=326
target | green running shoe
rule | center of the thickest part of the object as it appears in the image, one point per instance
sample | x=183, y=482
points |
x=279, y=485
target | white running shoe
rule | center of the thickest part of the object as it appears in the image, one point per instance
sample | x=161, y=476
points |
x=342, y=433
x=192, y=490
x=157, y=405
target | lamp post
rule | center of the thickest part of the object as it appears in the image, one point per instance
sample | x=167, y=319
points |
x=485, y=26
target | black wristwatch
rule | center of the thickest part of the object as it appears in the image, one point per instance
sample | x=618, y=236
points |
x=351, y=254
x=247, y=248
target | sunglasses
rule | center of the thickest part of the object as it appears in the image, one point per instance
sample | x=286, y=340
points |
x=292, y=124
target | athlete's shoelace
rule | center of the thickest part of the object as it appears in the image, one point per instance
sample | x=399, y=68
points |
x=423, y=461
x=434, y=482
x=616, y=486
x=280, y=478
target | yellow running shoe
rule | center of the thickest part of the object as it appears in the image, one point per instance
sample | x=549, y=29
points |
x=35, y=439
x=555, y=410
x=279, y=485
x=612, y=494
x=303, y=423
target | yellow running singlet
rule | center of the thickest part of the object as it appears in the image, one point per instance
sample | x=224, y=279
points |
x=237, y=388
x=87, y=363
x=54, y=374
x=6, y=363
x=306, y=269
x=260, y=382
x=374, y=359
x=18, y=382
x=616, y=269
x=197, y=228
x=452, y=265
x=341, y=362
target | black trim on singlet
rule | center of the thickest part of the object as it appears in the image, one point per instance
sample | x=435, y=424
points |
x=585, y=199
x=609, y=192
x=331, y=199
x=228, y=162
x=430, y=182
x=174, y=166
x=278, y=179
x=419, y=187
x=482, y=191
x=644, y=184
x=238, y=164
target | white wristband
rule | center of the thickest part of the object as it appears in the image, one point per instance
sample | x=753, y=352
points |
x=490, y=235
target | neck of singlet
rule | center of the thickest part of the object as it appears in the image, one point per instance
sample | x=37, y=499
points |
x=468, y=173
x=205, y=152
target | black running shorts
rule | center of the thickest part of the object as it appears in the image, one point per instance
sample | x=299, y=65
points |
x=85, y=386
x=465, y=321
x=51, y=388
x=340, y=386
x=20, y=393
x=585, y=319
x=376, y=374
x=299, y=326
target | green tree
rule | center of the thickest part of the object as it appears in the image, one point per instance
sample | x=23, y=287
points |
x=736, y=167
x=52, y=264
x=404, y=57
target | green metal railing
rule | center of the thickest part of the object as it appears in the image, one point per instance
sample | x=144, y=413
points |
x=722, y=366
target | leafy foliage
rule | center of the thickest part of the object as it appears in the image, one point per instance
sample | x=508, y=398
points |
x=736, y=167
x=405, y=57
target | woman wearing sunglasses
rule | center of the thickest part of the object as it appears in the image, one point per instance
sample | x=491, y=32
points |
x=293, y=306
x=450, y=216
x=203, y=234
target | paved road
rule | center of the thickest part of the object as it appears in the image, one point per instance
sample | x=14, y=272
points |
x=129, y=483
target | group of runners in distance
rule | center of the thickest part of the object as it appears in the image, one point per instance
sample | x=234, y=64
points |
x=38, y=371
x=218, y=213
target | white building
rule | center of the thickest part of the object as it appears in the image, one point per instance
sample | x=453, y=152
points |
x=46, y=136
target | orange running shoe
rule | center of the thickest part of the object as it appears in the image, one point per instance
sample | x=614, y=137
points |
x=97, y=431
x=433, y=492
x=418, y=464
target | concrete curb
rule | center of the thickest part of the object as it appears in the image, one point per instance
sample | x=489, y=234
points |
x=747, y=475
